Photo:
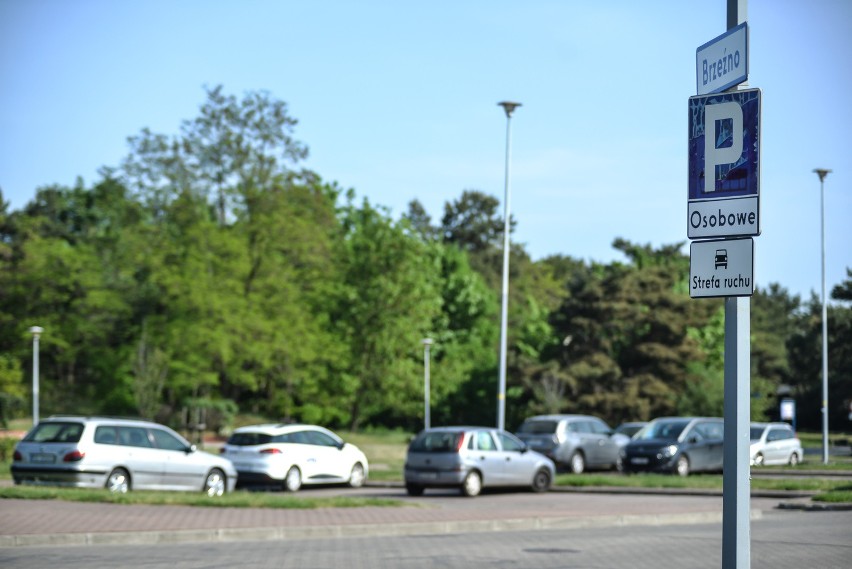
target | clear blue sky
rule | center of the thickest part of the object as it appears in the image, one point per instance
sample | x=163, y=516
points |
x=397, y=100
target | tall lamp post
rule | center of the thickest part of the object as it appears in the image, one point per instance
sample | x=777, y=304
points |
x=509, y=107
x=822, y=173
x=36, y=332
x=427, y=343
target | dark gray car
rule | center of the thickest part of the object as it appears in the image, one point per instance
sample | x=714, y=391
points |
x=471, y=458
x=676, y=444
x=573, y=442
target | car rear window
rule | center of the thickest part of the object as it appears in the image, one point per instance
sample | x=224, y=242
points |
x=538, y=427
x=55, y=432
x=442, y=441
x=249, y=439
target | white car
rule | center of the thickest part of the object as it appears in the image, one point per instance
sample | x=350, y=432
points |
x=290, y=456
x=118, y=454
x=774, y=443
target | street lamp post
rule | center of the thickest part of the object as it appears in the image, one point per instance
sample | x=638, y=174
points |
x=36, y=332
x=427, y=343
x=822, y=173
x=509, y=107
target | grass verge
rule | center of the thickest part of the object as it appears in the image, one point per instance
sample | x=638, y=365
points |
x=697, y=481
x=239, y=499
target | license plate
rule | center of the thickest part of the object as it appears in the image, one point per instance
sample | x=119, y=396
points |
x=42, y=458
x=639, y=460
x=428, y=475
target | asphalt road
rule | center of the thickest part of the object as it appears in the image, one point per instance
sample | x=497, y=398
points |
x=780, y=539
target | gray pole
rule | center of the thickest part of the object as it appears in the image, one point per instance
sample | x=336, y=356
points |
x=36, y=332
x=822, y=173
x=427, y=342
x=736, y=484
x=736, y=487
x=509, y=107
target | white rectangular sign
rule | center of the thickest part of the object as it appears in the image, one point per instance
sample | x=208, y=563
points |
x=723, y=218
x=722, y=267
x=722, y=62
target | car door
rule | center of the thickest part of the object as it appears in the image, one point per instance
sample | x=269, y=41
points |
x=146, y=463
x=488, y=458
x=183, y=469
x=705, y=440
x=777, y=447
x=324, y=459
x=517, y=465
x=606, y=447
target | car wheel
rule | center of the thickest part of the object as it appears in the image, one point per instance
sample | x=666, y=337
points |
x=414, y=490
x=293, y=480
x=214, y=484
x=758, y=459
x=356, y=479
x=118, y=481
x=794, y=459
x=682, y=466
x=541, y=481
x=472, y=484
x=577, y=463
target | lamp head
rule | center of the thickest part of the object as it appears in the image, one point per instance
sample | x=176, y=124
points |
x=36, y=331
x=509, y=107
x=822, y=173
x=427, y=342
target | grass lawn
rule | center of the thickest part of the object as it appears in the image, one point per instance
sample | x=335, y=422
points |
x=238, y=499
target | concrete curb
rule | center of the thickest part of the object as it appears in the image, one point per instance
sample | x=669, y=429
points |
x=367, y=530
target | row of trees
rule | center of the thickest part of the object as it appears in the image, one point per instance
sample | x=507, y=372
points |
x=210, y=272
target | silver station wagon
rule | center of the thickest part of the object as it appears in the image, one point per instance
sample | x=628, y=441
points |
x=117, y=454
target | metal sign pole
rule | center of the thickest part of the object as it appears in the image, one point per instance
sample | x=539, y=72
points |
x=736, y=484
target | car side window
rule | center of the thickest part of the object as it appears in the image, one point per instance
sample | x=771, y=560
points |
x=600, y=428
x=133, y=437
x=696, y=433
x=484, y=441
x=778, y=435
x=510, y=443
x=584, y=427
x=709, y=430
x=320, y=439
x=167, y=441
x=106, y=435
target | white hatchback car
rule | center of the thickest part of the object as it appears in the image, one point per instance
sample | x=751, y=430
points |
x=293, y=455
x=774, y=443
x=119, y=454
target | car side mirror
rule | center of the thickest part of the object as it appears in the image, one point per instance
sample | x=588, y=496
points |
x=191, y=449
x=693, y=439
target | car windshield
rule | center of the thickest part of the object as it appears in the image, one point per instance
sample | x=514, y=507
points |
x=55, y=432
x=437, y=441
x=756, y=432
x=249, y=439
x=538, y=427
x=664, y=430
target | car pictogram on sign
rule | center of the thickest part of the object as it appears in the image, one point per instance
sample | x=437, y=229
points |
x=722, y=258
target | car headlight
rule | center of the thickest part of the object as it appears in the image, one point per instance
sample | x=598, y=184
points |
x=670, y=451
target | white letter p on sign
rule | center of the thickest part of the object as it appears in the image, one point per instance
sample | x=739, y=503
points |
x=714, y=156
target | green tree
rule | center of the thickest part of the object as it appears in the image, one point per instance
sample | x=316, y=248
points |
x=390, y=298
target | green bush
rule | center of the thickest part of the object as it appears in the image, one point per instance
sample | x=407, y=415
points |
x=7, y=448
